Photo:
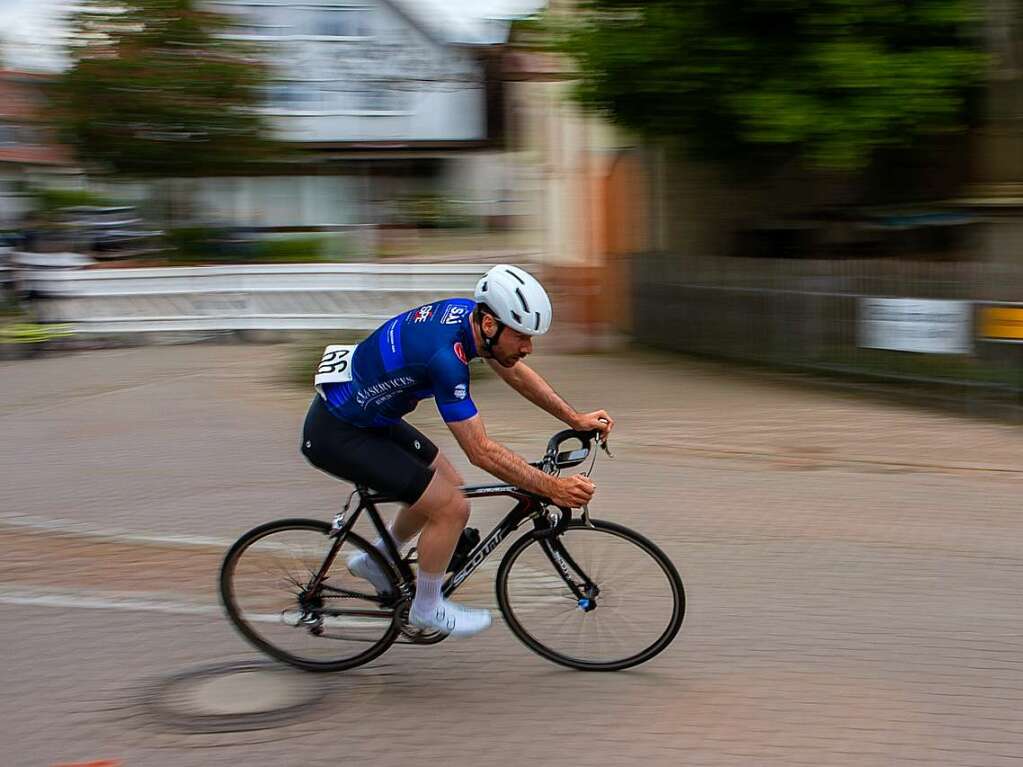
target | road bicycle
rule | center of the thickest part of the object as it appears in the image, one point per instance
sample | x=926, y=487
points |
x=584, y=593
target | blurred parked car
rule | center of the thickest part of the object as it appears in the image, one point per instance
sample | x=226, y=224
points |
x=108, y=232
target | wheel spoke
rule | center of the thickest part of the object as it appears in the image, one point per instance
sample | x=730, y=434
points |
x=263, y=585
x=636, y=612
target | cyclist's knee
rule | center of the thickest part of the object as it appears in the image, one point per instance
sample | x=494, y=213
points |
x=456, y=510
x=442, y=500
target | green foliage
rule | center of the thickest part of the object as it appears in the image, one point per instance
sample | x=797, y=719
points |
x=161, y=93
x=292, y=250
x=921, y=367
x=203, y=245
x=51, y=200
x=831, y=80
x=430, y=211
x=31, y=332
x=9, y=308
x=189, y=244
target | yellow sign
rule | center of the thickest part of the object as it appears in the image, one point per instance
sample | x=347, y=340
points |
x=1004, y=323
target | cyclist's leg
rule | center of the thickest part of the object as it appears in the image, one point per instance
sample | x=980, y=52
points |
x=394, y=461
x=446, y=511
x=440, y=512
x=443, y=511
x=398, y=460
x=388, y=460
x=409, y=521
x=444, y=466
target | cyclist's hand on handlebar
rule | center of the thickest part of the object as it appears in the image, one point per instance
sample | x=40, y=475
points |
x=598, y=420
x=573, y=492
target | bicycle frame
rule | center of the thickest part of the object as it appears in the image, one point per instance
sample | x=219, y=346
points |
x=527, y=506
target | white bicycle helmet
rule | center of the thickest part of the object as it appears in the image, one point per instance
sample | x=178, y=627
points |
x=516, y=298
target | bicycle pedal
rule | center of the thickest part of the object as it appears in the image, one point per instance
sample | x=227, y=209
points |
x=413, y=634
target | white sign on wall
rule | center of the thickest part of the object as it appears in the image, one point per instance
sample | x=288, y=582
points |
x=915, y=325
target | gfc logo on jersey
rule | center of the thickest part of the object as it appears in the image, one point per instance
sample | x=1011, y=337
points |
x=461, y=391
x=453, y=314
x=423, y=314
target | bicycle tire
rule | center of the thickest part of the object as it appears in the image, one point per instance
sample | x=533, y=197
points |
x=617, y=664
x=235, y=614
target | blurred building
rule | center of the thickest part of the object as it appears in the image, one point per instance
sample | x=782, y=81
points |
x=395, y=106
x=624, y=217
x=996, y=151
x=592, y=181
x=29, y=150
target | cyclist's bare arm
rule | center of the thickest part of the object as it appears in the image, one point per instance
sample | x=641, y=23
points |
x=535, y=388
x=494, y=458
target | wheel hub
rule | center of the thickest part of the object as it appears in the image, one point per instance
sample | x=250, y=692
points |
x=588, y=603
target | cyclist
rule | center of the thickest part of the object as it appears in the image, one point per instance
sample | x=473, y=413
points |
x=355, y=429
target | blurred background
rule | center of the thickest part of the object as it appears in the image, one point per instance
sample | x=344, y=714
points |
x=736, y=180
x=748, y=214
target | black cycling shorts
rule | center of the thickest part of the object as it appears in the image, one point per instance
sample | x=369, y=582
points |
x=394, y=460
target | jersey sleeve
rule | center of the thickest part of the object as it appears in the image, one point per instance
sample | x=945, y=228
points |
x=450, y=378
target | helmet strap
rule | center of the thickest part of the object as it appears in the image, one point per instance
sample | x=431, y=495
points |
x=488, y=343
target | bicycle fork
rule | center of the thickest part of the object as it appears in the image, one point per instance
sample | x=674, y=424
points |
x=584, y=589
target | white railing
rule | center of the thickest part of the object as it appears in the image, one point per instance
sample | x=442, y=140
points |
x=270, y=297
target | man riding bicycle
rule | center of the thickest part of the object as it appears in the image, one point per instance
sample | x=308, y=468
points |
x=355, y=429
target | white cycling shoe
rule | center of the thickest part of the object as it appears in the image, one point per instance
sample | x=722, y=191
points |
x=452, y=618
x=361, y=566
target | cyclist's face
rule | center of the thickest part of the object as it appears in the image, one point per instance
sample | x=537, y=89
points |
x=512, y=346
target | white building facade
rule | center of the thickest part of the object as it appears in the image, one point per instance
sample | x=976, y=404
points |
x=388, y=101
x=368, y=72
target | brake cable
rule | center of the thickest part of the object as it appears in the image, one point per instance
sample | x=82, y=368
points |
x=588, y=473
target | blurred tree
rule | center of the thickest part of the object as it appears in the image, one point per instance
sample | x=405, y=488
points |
x=751, y=80
x=155, y=89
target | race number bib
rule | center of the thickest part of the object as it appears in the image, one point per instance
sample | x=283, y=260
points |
x=335, y=366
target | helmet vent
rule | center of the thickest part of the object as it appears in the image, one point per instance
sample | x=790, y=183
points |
x=517, y=317
x=537, y=315
x=521, y=281
x=522, y=298
x=484, y=287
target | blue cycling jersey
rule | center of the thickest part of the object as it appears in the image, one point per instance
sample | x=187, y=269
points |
x=422, y=353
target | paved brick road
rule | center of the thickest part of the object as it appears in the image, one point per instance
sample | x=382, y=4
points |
x=853, y=570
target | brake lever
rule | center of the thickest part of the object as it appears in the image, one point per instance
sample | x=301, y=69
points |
x=603, y=442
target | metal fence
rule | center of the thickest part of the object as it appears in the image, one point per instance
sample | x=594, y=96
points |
x=806, y=314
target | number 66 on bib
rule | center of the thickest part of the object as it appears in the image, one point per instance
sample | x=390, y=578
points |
x=335, y=366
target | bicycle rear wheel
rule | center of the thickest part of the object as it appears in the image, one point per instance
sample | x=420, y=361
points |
x=265, y=587
x=629, y=606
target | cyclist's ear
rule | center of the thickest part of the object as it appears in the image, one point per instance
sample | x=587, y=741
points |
x=488, y=325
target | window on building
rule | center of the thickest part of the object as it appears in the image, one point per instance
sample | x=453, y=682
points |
x=294, y=96
x=338, y=22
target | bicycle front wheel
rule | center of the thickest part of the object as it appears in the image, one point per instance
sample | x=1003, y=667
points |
x=268, y=587
x=595, y=598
